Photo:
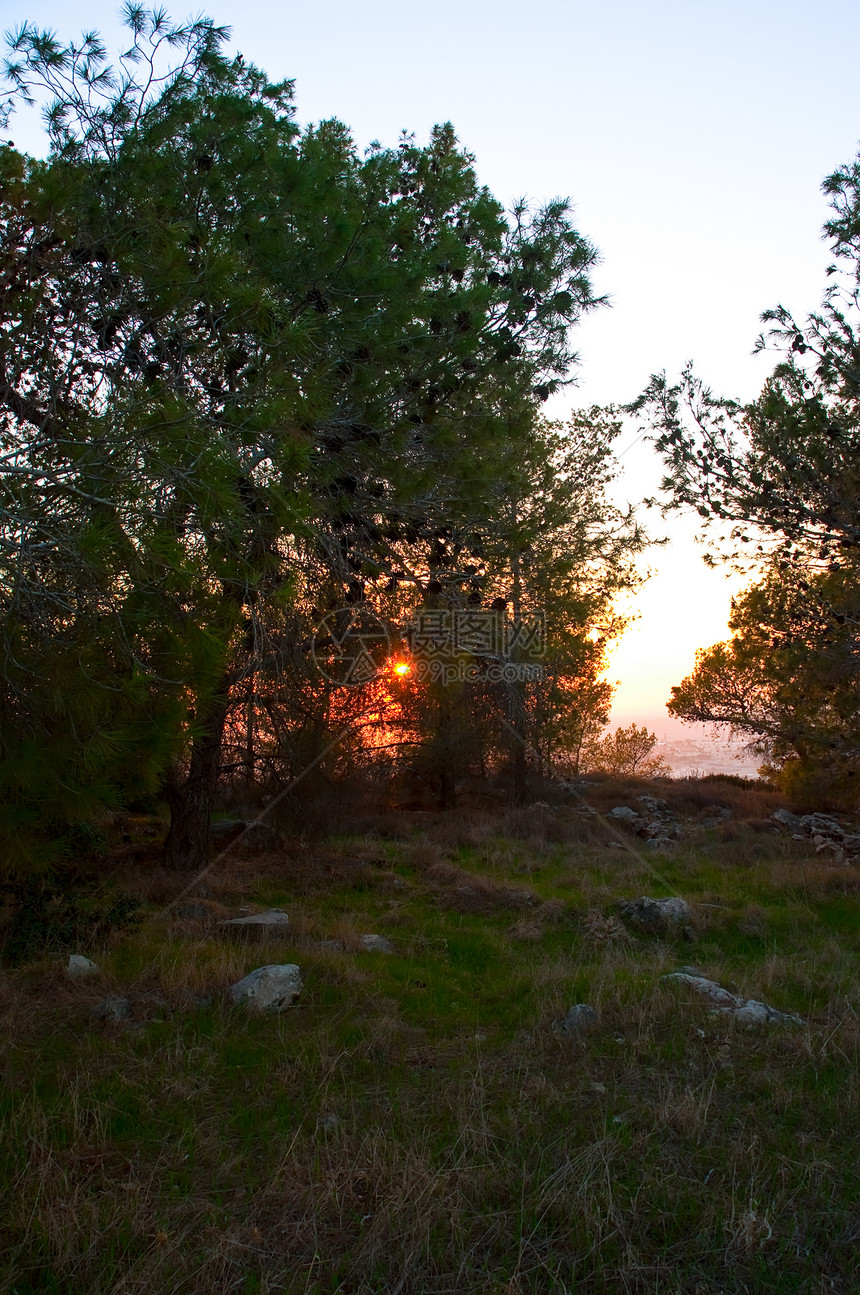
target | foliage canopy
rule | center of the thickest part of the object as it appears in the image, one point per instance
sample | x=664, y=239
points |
x=244, y=371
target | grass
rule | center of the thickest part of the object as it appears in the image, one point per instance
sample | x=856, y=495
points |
x=415, y=1123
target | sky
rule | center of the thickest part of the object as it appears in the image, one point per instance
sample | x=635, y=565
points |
x=692, y=138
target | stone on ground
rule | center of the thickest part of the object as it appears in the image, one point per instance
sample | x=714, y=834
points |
x=578, y=1019
x=657, y=916
x=624, y=814
x=268, y=989
x=79, y=967
x=257, y=926
x=746, y=1011
x=376, y=944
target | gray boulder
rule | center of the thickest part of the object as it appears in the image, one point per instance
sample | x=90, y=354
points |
x=825, y=833
x=657, y=916
x=79, y=967
x=655, y=805
x=712, y=815
x=624, y=814
x=746, y=1011
x=708, y=989
x=660, y=830
x=256, y=926
x=376, y=944
x=822, y=825
x=827, y=845
x=579, y=1019
x=754, y=1013
x=268, y=989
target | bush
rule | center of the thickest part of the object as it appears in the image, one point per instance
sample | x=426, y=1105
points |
x=52, y=913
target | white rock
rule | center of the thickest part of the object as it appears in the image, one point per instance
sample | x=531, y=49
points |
x=376, y=944
x=707, y=988
x=624, y=813
x=273, y=922
x=748, y=1011
x=268, y=989
x=80, y=967
x=755, y=1013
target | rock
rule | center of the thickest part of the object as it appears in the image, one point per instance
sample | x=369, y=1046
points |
x=755, y=1013
x=825, y=832
x=821, y=825
x=749, y=1012
x=79, y=967
x=823, y=843
x=579, y=1019
x=539, y=805
x=624, y=814
x=111, y=1009
x=376, y=944
x=712, y=815
x=256, y=926
x=268, y=989
x=660, y=830
x=708, y=989
x=657, y=916
x=654, y=804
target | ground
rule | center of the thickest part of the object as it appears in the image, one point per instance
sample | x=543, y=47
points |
x=417, y=1122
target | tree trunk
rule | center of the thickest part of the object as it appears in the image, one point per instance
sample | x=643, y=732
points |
x=250, y=716
x=448, y=785
x=520, y=769
x=191, y=799
x=517, y=700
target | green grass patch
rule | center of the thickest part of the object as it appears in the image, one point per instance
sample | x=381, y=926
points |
x=416, y=1122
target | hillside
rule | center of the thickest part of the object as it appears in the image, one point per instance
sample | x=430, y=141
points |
x=423, y=1120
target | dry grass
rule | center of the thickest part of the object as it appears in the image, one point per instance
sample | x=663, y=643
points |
x=417, y=1123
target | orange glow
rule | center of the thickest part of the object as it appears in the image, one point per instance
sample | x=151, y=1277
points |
x=402, y=668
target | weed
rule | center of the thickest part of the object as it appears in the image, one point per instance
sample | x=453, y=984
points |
x=416, y=1124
